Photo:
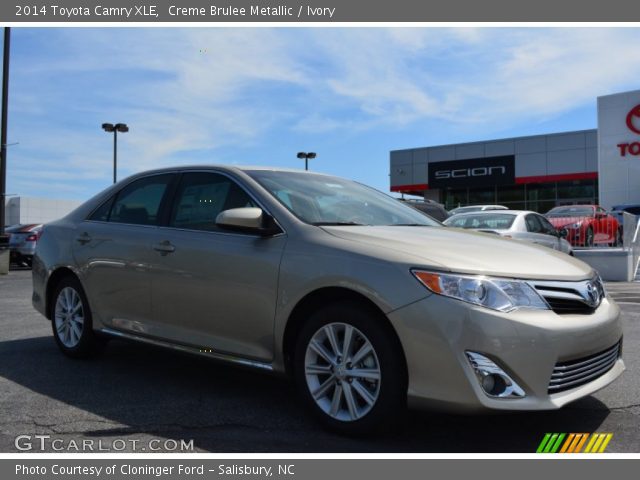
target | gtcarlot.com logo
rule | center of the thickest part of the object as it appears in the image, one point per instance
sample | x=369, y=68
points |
x=574, y=442
x=45, y=443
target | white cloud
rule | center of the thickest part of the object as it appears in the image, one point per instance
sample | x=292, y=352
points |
x=188, y=91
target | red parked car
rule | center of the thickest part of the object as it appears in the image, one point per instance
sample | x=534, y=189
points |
x=586, y=225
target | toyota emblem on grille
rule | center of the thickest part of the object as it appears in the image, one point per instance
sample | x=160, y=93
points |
x=593, y=294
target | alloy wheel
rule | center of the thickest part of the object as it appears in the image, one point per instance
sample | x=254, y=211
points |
x=69, y=317
x=342, y=371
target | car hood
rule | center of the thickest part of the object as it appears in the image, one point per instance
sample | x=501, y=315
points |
x=457, y=250
x=560, y=222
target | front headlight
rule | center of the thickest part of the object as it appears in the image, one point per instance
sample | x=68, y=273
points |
x=495, y=293
x=574, y=226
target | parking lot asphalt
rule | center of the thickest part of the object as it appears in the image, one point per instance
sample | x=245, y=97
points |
x=132, y=393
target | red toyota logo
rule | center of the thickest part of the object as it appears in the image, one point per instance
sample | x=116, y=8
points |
x=634, y=113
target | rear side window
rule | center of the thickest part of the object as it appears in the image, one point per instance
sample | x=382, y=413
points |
x=139, y=202
x=101, y=214
x=202, y=196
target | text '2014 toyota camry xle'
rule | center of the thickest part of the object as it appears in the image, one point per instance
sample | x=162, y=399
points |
x=369, y=304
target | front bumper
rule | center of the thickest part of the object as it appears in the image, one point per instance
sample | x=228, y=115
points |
x=435, y=333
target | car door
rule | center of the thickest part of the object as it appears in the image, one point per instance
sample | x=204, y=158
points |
x=113, y=248
x=535, y=232
x=212, y=288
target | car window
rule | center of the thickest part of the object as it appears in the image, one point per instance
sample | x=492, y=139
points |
x=633, y=210
x=570, y=211
x=533, y=224
x=481, y=220
x=139, y=202
x=546, y=225
x=101, y=214
x=324, y=200
x=202, y=196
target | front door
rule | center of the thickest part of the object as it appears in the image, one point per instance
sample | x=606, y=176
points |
x=211, y=288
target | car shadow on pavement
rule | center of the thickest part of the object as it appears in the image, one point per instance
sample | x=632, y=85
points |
x=134, y=390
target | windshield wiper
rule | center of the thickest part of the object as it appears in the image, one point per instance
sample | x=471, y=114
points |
x=335, y=224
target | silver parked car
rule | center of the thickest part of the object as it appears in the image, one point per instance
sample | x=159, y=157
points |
x=22, y=242
x=477, y=208
x=366, y=302
x=518, y=224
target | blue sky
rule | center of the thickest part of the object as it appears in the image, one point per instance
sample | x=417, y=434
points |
x=259, y=95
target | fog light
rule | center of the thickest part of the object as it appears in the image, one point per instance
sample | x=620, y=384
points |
x=493, y=380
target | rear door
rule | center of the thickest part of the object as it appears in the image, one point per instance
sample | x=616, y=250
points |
x=113, y=248
x=213, y=288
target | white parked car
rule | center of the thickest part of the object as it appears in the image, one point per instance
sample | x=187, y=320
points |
x=518, y=224
x=477, y=208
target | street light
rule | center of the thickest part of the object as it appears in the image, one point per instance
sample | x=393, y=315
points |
x=118, y=127
x=306, y=156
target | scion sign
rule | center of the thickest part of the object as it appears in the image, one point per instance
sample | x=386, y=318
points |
x=476, y=172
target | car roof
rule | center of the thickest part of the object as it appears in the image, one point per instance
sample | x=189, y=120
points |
x=495, y=212
x=230, y=168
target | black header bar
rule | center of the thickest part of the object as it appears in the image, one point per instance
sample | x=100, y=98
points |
x=330, y=11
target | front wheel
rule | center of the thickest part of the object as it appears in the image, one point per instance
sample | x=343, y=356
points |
x=588, y=237
x=349, y=369
x=71, y=320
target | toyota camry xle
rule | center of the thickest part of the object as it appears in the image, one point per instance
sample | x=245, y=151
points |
x=367, y=303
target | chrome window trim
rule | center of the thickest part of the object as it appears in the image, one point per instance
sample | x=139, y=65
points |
x=200, y=170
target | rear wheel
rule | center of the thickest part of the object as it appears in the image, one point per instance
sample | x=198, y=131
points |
x=349, y=370
x=71, y=320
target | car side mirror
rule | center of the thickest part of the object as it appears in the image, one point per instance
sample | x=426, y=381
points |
x=248, y=220
x=563, y=233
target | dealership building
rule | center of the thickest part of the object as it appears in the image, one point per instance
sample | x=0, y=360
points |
x=599, y=166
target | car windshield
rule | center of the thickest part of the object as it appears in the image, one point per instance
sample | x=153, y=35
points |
x=571, y=211
x=325, y=200
x=482, y=220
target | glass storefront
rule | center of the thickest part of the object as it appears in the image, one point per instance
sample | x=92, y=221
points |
x=539, y=197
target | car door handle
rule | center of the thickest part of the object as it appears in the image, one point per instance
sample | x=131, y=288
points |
x=83, y=238
x=165, y=247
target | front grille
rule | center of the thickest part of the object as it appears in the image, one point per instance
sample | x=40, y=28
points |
x=568, y=306
x=568, y=375
x=582, y=297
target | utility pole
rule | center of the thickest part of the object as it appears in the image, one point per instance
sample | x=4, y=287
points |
x=3, y=132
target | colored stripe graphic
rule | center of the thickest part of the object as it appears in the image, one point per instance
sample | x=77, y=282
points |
x=574, y=442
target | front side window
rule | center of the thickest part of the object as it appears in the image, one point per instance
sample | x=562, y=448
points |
x=546, y=226
x=139, y=202
x=202, y=196
x=533, y=225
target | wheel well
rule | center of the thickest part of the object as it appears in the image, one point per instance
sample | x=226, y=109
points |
x=53, y=281
x=320, y=298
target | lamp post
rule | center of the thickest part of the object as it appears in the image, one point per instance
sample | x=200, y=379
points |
x=3, y=131
x=306, y=156
x=118, y=127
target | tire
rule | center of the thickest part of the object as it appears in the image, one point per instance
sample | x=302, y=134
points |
x=618, y=240
x=377, y=400
x=588, y=237
x=73, y=332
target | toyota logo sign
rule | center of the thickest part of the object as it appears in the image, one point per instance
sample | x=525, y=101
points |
x=632, y=117
x=633, y=124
